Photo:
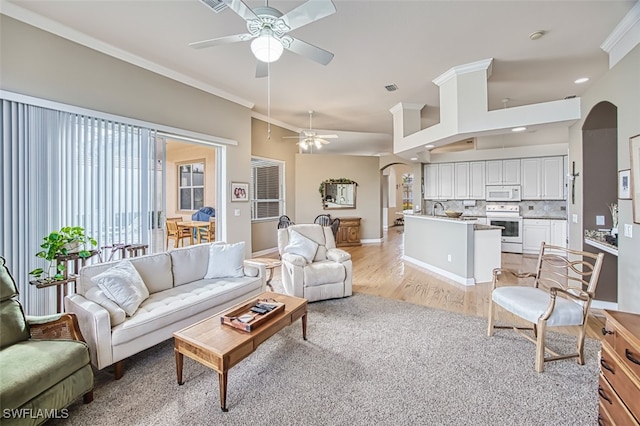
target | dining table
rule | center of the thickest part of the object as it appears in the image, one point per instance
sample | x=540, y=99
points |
x=193, y=226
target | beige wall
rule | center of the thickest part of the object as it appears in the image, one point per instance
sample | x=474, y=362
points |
x=39, y=64
x=313, y=169
x=263, y=234
x=621, y=87
x=183, y=152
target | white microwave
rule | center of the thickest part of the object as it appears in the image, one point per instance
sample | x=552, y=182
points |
x=503, y=193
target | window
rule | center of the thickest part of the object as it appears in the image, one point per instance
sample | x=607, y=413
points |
x=407, y=191
x=267, y=194
x=191, y=186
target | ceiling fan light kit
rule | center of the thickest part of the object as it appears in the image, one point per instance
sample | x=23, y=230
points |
x=266, y=48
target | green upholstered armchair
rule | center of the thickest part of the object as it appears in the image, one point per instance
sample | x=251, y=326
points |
x=44, y=362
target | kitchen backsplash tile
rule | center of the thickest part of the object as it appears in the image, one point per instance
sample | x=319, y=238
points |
x=528, y=209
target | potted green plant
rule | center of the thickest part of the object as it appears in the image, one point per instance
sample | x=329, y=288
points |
x=69, y=239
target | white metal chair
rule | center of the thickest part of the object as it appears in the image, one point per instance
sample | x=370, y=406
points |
x=564, y=284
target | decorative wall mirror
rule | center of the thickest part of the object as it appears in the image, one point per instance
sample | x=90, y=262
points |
x=338, y=194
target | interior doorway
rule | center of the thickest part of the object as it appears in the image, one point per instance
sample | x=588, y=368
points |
x=600, y=186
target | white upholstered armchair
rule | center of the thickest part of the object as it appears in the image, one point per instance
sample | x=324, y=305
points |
x=312, y=266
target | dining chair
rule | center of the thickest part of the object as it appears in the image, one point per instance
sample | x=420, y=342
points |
x=207, y=233
x=284, y=222
x=323, y=220
x=564, y=284
x=176, y=232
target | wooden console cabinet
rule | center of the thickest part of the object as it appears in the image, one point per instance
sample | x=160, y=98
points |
x=348, y=232
x=619, y=384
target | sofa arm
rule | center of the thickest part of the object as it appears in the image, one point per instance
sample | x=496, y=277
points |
x=95, y=326
x=256, y=269
x=294, y=259
x=53, y=327
x=338, y=255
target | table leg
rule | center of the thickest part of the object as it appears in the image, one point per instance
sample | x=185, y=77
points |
x=269, y=277
x=179, y=360
x=304, y=326
x=222, y=378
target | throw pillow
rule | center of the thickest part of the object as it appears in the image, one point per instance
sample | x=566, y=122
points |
x=226, y=261
x=301, y=245
x=122, y=284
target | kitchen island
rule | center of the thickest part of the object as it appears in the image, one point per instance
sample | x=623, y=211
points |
x=458, y=249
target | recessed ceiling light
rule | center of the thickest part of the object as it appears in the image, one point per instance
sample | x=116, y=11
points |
x=414, y=158
x=581, y=80
x=430, y=146
x=518, y=129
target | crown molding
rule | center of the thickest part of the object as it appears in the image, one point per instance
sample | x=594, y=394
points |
x=621, y=40
x=483, y=65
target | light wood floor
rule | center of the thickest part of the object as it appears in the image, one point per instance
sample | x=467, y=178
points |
x=378, y=269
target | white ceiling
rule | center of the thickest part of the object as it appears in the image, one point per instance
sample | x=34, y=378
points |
x=376, y=43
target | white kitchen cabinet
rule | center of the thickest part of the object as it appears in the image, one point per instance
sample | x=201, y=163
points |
x=558, y=233
x=461, y=181
x=476, y=180
x=543, y=178
x=446, y=181
x=534, y=232
x=431, y=181
x=503, y=172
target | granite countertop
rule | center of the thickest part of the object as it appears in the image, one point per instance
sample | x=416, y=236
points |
x=481, y=227
x=545, y=217
x=601, y=237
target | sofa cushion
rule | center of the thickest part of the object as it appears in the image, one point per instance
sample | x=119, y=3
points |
x=189, y=263
x=116, y=314
x=122, y=284
x=302, y=246
x=32, y=366
x=170, y=306
x=226, y=261
x=326, y=272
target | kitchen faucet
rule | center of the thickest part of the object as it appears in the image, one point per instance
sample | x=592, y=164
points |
x=436, y=204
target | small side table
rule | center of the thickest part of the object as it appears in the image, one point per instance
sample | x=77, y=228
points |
x=270, y=264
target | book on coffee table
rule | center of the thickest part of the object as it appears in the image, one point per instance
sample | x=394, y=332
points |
x=250, y=315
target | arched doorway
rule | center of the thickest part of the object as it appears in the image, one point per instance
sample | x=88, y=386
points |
x=600, y=186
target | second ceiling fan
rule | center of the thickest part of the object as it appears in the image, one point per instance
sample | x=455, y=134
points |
x=310, y=138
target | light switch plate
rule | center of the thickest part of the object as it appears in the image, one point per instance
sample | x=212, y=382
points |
x=628, y=230
x=574, y=218
x=599, y=220
x=236, y=212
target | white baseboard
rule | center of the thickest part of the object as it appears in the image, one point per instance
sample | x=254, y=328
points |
x=264, y=252
x=600, y=304
x=457, y=278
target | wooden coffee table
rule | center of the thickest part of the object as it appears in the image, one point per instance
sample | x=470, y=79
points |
x=220, y=347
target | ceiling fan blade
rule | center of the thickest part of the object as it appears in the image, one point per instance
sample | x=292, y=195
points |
x=241, y=9
x=328, y=136
x=322, y=141
x=221, y=40
x=309, y=51
x=309, y=12
x=262, y=69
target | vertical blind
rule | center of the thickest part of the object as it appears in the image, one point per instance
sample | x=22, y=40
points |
x=65, y=169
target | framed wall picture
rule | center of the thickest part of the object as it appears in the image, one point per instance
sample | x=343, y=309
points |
x=239, y=191
x=624, y=184
x=634, y=188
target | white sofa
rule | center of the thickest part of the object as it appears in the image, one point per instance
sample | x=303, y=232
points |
x=179, y=295
x=312, y=266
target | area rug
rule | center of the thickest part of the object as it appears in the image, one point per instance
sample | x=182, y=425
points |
x=367, y=360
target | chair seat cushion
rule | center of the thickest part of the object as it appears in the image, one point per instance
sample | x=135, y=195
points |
x=33, y=366
x=325, y=272
x=530, y=303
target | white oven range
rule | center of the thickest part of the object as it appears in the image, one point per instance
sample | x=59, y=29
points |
x=507, y=216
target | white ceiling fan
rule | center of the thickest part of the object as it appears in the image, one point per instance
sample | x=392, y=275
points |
x=269, y=28
x=310, y=138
